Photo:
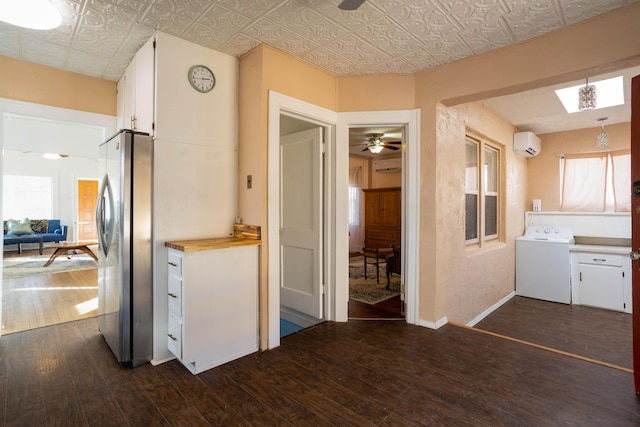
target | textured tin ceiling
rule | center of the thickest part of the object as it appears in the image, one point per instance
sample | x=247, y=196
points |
x=99, y=37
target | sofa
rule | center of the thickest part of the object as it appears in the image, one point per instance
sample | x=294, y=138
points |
x=17, y=232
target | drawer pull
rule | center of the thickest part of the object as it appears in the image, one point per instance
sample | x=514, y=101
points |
x=173, y=264
x=599, y=259
x=172, y=337
x=172, y=295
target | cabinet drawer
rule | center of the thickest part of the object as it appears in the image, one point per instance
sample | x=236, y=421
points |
x=600, y=259
x=175, y=263
x=174, y=296
x=174, y=336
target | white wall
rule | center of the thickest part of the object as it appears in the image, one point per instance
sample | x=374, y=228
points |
x=29, y=130
x=196, y=159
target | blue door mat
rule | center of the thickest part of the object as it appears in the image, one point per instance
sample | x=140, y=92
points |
x=288, y=328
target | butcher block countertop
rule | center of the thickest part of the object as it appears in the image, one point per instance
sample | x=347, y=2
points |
x=243, y=235
x=208, y=244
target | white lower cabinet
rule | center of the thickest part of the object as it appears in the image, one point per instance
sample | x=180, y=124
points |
x=601, y=279
x=213, y=305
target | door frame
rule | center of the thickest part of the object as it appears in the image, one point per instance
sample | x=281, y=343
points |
x=410, y=121
x=284, y=105
x=336, y=207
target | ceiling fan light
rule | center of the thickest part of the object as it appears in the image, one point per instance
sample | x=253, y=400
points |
x=33, y=14
x=375, y=148
x=51, y=156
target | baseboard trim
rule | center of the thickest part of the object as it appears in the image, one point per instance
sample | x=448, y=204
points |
x=297, y=317
x=491, y=309
x=433, y=325
x=156, y=362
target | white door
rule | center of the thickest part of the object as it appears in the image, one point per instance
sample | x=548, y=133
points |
x=301, y=222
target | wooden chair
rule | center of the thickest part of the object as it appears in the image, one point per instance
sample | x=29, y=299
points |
x=394, y=264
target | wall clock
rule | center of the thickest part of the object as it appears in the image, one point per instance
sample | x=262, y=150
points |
x=201, y=78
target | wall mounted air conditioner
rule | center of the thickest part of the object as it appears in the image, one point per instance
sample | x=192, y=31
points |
x=388, y=165
x=526, y=144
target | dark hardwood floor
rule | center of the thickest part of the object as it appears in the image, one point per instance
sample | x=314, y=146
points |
x=387, y=309
x=602, y=335
x=358, y=373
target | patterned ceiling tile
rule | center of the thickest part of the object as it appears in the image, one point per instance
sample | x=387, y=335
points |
x=165, y=21
x=189, y=9
x=205, y=36
x=42, y=52
x=86, y=63
x=224, y=20
x=323, y=31
x=387, y=36
x=382, y=36
x=239, y=45
x=251, y=8
x=296, y=45
x=296, y=14
x=473, y=13
x=133, y=5
x=491, y=35
x=266, y=30
x=579, y=10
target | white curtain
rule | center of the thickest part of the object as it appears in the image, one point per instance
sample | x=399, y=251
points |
x=584, y=183
x=621, y=165
x=355, y=192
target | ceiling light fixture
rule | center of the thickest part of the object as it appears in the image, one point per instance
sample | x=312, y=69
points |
x=603, y=137
x=375, y=148
x=33, y=14
x=587, y=97
x=610, y=93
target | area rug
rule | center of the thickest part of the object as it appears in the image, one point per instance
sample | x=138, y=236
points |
x=367, y=290
x=17, y=267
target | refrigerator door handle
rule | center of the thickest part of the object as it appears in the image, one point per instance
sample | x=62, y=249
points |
x=105, y=215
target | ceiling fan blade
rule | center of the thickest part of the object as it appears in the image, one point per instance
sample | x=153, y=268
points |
x=390, y=147
x=350, y=4
x=393, y=142
x=366, y=149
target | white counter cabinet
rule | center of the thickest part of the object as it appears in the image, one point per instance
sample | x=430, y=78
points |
x=601, y=277
x=213, y=305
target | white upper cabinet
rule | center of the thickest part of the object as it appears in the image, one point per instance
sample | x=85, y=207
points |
x=136, y=92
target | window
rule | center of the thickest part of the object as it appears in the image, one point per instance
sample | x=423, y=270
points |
x=596, y=182
x=482, y=191
x=27, y=197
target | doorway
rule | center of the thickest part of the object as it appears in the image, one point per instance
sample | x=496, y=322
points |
x=87, y=196
x=335, y=211
x=375, y=222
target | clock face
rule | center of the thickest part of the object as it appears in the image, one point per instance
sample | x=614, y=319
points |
x=201, y=78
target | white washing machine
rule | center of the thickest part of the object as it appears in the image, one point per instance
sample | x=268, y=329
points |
x=543, y=263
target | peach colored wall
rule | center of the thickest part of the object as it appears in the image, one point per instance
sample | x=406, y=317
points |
x=376, y=92
x=559, y=56
x=261, y=70
x=488, y=273
x=29, y=82
x=544, y=169
x=384, y=179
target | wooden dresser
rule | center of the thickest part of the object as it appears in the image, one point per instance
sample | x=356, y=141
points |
x=382, y=217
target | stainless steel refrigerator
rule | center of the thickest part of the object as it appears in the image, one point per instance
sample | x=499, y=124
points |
x=125, y=266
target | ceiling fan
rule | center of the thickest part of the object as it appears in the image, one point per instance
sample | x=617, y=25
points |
x=375, y=143
x=350, y=4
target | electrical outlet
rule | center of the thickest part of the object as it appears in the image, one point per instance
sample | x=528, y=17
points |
x=249, y=179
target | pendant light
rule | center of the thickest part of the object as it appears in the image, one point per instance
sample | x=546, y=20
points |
x=33, y=14
x=587, y=97
x=603, y=137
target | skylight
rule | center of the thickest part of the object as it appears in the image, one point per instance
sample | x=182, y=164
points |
x=609, y=93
